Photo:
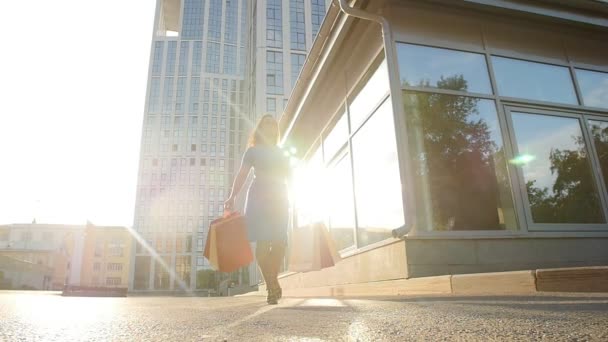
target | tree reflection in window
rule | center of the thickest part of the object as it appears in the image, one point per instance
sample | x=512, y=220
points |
x=459, y=163
x=599, y=134
x=559, y=182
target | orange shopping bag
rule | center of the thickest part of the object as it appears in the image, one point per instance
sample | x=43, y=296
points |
x=312, y=249
x=227, y=247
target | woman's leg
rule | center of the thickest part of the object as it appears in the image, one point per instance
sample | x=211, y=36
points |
x=277, y=255
x=263, y=256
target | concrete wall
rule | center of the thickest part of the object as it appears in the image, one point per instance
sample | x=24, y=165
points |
x=430, y=257
x=383, y=263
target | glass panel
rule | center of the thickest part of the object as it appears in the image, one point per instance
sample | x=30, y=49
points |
x=308, y=184
x=459, y=163
x=594, y=87
x=341, y=205
x=369, y=97
x=535, y=81
x=422, y=66
x=336, y=138
x=599, y=134
x=557, y=174
x=377, y=180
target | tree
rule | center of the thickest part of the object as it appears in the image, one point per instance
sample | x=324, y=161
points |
x=455, y=157
x=573, y=198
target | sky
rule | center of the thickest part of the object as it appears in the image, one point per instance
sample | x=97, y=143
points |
x=73, y=78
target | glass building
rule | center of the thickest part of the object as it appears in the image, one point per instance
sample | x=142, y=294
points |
x=194, y=131
x=477, y=145
x=282, y=32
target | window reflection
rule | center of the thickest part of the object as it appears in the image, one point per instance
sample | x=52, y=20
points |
x=557, y=174
x=336, y=138
x=594, y=87
x=377, y=180
x=599, y=134
x=370, y=96
x=309, y=185
x=534, y=81
x=422, y=66
x=341, y=203
x=459, y=162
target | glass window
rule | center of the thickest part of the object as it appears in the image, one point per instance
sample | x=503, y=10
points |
x=336, y=138
x=274, y=25
x=594, y=87
x=229, y=59
x=197, y=56
x=458, y=162
x=154, y=102
x=193, y=21
x=184, y=49
x=213, y=57
x=556, y=170
x=171, y=55
x=195, y=89
x=274, y=76
x=271, y=105
x=377, y=180
x=214, y=31
x=317, y=15
x=341, y=206
x=157, y=59
x=231, y=22
x=369, y=97
x=180, y=95
x=599, y=134
x=422, y=66
x=309, y=182
x=534, y=81
x=142, y=273
x=168, y=102
x=297, y=61
x=297, y=25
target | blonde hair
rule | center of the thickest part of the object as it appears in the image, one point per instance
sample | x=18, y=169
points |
x=258, y=137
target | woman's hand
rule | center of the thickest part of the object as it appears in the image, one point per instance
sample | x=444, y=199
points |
x=229, y=204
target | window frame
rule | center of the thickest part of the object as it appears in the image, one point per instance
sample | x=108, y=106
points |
x=521, y=188
x=502, y=102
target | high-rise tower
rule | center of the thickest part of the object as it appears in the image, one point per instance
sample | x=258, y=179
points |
x=193, y=134
x=281, y=34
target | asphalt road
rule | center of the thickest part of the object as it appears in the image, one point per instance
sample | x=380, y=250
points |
x=35, y=316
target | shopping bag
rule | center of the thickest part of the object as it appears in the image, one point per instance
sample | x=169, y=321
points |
x=312, y=249
x=227, y=247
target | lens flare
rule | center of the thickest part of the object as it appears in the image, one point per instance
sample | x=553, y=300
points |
x=522, y=159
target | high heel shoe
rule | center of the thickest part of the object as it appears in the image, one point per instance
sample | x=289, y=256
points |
x=272, y=298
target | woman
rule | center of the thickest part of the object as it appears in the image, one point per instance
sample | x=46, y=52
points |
x=266, y=207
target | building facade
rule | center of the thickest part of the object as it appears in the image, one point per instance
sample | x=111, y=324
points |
x=281, y=33
x=56, y=247
x=476, y=145
x=106, y=257
x=193, y=136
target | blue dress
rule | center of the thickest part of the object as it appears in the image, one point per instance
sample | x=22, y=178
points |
x=267, y=204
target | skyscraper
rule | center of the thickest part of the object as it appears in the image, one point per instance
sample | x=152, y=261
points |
x=192, y=136
x=282, y=33
x=215, y=67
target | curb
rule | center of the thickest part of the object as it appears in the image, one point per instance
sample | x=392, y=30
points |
x=576, y=279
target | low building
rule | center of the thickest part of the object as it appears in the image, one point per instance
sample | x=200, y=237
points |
x=77, y=255
x=106, y=257
x=448, y=137
x=24, y=275
x=57, y=247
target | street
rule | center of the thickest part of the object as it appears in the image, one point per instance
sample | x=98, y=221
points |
x=37, y=316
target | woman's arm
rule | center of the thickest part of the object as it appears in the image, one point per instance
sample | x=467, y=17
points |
x=239, y=180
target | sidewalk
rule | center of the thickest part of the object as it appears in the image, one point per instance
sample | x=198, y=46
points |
x=578, y=279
